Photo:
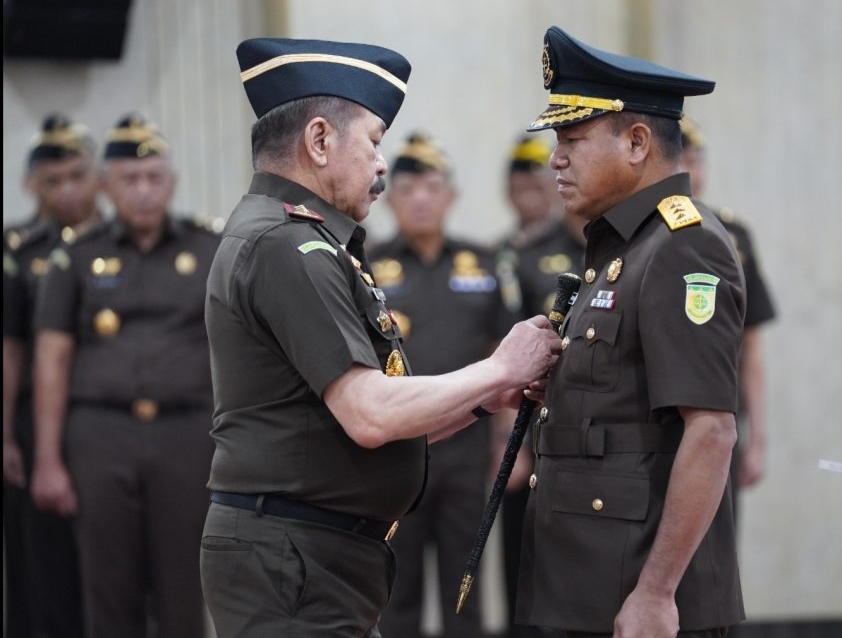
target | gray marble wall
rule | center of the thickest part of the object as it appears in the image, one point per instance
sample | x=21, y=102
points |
x=775, y=147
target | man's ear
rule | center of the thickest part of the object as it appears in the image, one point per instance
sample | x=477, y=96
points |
x=316, y=138
x=640, y=142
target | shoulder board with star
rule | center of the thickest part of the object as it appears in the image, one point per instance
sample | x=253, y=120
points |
x=678, y=211
x=302, y=212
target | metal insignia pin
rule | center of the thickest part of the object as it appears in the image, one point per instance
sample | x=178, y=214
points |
x=614, y=270
x=385, y=321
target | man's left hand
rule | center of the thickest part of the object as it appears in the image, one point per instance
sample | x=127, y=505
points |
x=647, y=615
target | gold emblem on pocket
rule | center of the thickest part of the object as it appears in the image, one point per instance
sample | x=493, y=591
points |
x=614, y=270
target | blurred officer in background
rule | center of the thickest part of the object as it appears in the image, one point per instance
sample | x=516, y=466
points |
x=122, y=378
x=748, y=460
x=40, y=551
x=547, y=242
x=448, y=305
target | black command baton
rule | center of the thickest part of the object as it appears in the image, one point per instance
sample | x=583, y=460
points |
x=566, y=291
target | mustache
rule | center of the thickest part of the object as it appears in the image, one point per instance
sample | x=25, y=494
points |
x=377, y=186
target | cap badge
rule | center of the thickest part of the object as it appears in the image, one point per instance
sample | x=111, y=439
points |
x=546, y=66
x=106, y=323
x=394, y=365
x=700, y=301
x=185, y=263
x=614, y=270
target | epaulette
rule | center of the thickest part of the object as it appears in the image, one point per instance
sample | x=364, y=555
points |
x=90, y=232
x=14, y=238
x=728, y=216
x=678, y=211
x=302, y=212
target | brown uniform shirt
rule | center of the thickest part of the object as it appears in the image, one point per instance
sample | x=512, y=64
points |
x=657, y=325
x=287, y=313
x=137, y=318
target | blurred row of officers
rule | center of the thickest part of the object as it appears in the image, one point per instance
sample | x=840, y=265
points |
x=107, y=384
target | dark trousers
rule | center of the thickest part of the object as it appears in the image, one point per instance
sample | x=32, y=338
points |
x=513, y=511
x=43, y=589
x=268, y=576
x=448, y=517
x=142, y=501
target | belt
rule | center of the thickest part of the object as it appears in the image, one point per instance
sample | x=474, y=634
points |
x=599, y=440
x=145, y=409
x=275, y=505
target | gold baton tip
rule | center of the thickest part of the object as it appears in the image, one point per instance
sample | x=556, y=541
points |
x=464, y=589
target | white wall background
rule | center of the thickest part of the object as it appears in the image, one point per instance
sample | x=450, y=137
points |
x=775, y=151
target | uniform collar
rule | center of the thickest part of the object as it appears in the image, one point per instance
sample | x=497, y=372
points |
x=343, y=228
x=627, y=216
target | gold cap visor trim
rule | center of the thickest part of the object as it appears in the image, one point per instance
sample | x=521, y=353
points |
x=590, y=102
x=295, y=58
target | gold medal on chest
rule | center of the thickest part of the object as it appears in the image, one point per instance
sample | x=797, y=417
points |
x=394, y=365
x=614, y=270
x=185, y=263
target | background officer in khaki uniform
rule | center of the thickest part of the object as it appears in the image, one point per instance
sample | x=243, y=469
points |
x=747, y=464
x=627, y=531
x=448, y=304
x=122, y=378
x=42, y=579
x=319, y=429
x=546, y=243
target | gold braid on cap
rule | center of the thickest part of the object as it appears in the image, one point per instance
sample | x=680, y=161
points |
x=589, y=102
x=67, y=136
x=139, y=132
x=532, y=150
x=425, y=152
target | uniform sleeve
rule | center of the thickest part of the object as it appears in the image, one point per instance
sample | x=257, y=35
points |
x=56, y=307
x=691, y=320
x=305, y=298
x=14, y=299
x=759, y=306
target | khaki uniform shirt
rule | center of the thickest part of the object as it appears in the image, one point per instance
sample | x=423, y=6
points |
x=657, y=325
x=291, y=306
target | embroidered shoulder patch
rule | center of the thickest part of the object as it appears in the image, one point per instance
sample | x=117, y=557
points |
x=302, y=212
x=316, y=245
x=700, y=300
x=678, y=211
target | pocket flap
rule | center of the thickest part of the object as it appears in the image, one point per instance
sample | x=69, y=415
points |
x=623, y=496
x=605, y=327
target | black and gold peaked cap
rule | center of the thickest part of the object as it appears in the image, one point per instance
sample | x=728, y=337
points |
x=585, y=82
x=420, y=154
x=58, y=138
x=275, y=71
x=133, y=136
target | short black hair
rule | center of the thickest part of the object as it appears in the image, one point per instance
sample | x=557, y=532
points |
x=664, y=129
x=274, y=136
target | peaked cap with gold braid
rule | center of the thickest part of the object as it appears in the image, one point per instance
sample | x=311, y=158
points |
x=134, y=136
x=59, y=138
x=586, y=82
x=420, y=154
x=530, y=153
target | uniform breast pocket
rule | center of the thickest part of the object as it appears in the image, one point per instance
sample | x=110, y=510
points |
x=592, y=360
